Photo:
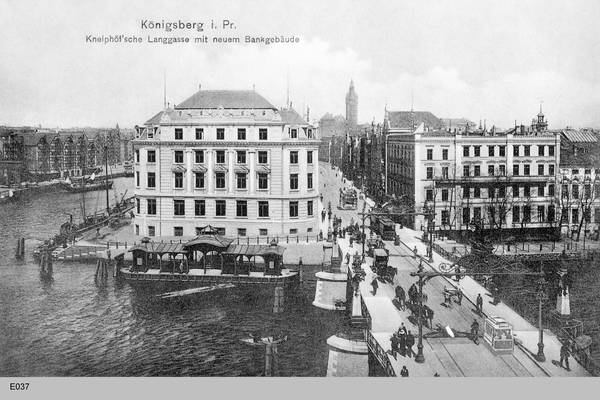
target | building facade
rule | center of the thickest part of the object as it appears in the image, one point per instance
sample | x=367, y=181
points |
x=231, y=160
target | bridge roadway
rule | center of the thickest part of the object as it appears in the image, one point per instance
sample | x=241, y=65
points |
x=443, y=355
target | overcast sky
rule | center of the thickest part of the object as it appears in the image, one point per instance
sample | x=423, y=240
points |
x=493, y=60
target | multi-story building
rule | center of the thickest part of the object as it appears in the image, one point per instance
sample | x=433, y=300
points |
x=231, y=160
x=503, y=181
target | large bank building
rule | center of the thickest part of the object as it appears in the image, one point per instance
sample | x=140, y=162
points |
x=228, y=159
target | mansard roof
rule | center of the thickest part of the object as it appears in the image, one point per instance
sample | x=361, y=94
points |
x=291, y=117
x=402, y=119
x=228, y=99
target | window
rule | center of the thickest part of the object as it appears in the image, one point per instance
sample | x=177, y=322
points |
x=241, y=208
x=241, y=181
x=293, y=181
x=199, y=156
x=151, y=179
x=200, y=208
x=178, y=231
x=178, y=134
x=527, y=214
x=466, y=215
x=137, y=156
x=490, y=170
x=526, y=169
x=429, y=195
x=241, y=231
x=309, y=207
x=477, y=170
x=565, y=190
x=527, y=151
x=541, y=190
x=466, y=192
x=551, y=189
x=515, y=191
x=541, y=150
x=540, y=169
x=587, y=171
x=541, y=213
x=220, y=180
x=429, y=172
x=309, y=134
x=293, y=231
x=527, y=191
x=551, y=150
x=263, y=157
x=263, y=181
x=516, y=214
x=477, y=213
x=151, y=156
x=574, y=216
x=293, y=209
x=575, y=191
x=444, y=194
x=430, y=154
x=575, y=171
x=293, y=157
x=491, y=151
x=477, y=151
x=502, y=169
x=199, y=133
x=199, y=180
x=137, y=205
x=137, y=229
x=178, y=156
x=445, y=217
x=476, y=192
x=516, y=170
x=309, y=181
x=220, y=208
x=151, y=231
x=502, y=192
x=137, y=179
x=465, y=151
x=151, y=204
x=220, y=156
x=178, y=179
x=551, y=169
x=444, y=154
x=502, y=151
x=241, y=157
x=466, y=170
x=263, y=232
x=551, y=213
x=262, y=134
x=220, y=134
x=263, y=209
x=179, y=207
x=587, y=190
x=309, y=157
x=241, y=134
x=294, y=133
x=515, y=150
x=445, y=172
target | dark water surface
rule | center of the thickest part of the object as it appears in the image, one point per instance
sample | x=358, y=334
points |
x=72, y=326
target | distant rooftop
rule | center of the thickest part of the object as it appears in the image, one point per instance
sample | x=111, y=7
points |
x=403, y=119
x=229, y=99
x=290, y=116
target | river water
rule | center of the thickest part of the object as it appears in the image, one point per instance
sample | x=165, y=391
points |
x=72, y=326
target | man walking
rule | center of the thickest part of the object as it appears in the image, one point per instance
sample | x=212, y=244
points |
x=479, y=303
x=404, y=372
x=410, y=342
x=459, y=295
x=394, y=340
x=475, y=331
x=564, y=354
x=375, y=285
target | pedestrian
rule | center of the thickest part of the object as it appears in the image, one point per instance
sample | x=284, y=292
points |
x=495, y=294
x=375, y=285
x=402, y=330
x=479, y=303
x=351, y=241
x=474, y=330
x=401, y=296
x=404, y=372
x=430, y=317
x=394, y=340
x=459, y=296
x=564, y=354
x=410, y=342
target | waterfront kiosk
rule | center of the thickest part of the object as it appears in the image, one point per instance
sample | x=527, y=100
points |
x=499, y=335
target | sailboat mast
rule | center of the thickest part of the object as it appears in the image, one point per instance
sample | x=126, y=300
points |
x=106, y=172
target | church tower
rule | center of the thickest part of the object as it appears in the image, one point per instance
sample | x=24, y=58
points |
x=352, y=106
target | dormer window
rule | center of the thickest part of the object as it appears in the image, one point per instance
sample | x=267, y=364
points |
x=150, y=133
x=178, y=134
x=294, y=133
x=310, y=134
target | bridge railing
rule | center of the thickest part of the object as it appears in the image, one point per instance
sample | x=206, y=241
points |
x=373, y=344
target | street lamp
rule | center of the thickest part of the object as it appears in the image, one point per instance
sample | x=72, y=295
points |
x=420, y=358
x=541, y=295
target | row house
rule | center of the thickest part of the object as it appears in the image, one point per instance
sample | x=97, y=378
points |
x=231, y=160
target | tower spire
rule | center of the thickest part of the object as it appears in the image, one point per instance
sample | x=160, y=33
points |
x=165, y=88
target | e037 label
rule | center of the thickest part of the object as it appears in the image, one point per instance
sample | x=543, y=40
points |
x=19, y=386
